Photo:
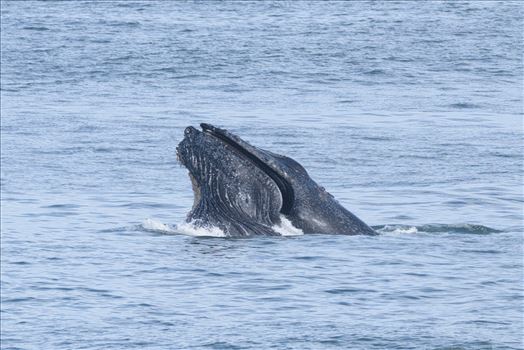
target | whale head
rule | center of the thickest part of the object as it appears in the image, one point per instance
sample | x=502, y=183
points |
x=245, y=190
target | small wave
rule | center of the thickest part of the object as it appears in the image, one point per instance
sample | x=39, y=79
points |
x=36, y=28
x=436, y=228
x=397, y=229
x=375, y=72
x=463, y=105
x=129, y=24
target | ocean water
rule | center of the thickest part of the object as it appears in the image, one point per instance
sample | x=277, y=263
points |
x=411, y=116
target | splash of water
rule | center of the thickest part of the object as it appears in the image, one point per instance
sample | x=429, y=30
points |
x=192, y=230
x=286, y=228
x=156, y=226
x=184, y=229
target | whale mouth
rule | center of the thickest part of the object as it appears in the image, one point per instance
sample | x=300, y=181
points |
x=284, y=186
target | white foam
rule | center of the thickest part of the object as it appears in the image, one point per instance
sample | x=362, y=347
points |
x=399, y=230
x=187, y=229
x=286, y=228
x=153, y=225
x=191, y=230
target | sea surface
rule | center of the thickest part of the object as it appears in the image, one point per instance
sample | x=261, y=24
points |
x=410, y=115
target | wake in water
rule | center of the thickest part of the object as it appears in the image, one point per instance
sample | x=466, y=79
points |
x=286, y=228
x=434, y=228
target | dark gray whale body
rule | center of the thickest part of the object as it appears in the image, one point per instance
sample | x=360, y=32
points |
x=244, y=190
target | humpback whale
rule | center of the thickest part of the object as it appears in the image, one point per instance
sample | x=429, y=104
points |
x=245, y=190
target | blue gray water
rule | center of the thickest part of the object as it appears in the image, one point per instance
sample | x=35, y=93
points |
x=410, y=115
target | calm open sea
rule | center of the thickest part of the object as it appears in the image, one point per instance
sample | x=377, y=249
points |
x=410, y=114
